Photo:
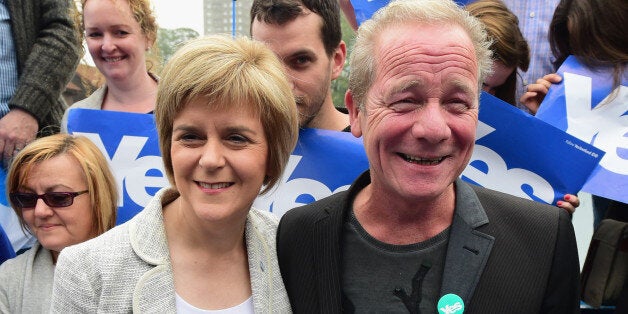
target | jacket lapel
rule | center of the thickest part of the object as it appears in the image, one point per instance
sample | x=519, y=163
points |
x=269, y=293
x=154, y=291
x=258, y=266
x=468, y=249
x=467, y=253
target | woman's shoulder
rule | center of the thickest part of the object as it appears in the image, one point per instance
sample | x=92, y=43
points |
x=16, y=265
x=35, y=259
x=93, y=101
x=121, y=241
x=109, y=244
x=13, y=278
x=107, y=253
x=261, y=227
x=263, y=219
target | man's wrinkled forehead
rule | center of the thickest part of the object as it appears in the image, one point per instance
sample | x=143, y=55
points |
x=433, y=47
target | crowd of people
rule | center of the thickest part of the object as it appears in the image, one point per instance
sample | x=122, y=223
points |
x=408, y=235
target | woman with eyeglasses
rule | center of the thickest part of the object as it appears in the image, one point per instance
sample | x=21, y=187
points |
x=64, y=193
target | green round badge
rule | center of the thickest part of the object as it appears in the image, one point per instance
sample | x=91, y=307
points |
x=450, y=304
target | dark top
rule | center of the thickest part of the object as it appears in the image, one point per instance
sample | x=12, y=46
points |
x=505, y=254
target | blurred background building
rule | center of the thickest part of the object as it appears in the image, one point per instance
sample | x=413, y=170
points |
x=218, y=16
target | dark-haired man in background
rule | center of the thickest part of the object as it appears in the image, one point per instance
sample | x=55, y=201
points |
x=306, y=36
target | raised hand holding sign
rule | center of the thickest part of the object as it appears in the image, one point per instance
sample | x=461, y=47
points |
x=586, y=105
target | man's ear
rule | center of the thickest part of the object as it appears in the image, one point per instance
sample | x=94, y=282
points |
x=338, y=60
x=354, y=114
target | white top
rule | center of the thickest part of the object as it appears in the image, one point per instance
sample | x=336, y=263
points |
x=245, y=307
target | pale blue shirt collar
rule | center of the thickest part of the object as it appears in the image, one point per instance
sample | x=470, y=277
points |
x=8, y=60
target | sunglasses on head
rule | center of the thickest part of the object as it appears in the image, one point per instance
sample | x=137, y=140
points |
x=52, y=199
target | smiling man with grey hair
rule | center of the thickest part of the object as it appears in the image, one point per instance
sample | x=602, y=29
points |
x=409, y=235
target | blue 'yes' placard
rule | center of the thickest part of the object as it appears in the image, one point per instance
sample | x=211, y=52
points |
x=588, y=105
x=129, y=142
x=324, y=162
x=518, y=154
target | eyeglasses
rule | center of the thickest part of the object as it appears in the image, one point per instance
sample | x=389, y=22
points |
x=52, y=199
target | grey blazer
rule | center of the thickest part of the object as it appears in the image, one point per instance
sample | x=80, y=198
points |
x=505, y=254
x=26, y=282
x=128, y=268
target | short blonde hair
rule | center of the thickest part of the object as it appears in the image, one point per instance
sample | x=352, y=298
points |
x=101, y=184
x=443, y=12
x=226, y=72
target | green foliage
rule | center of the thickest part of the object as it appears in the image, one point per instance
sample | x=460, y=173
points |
x=169, y=40
x=339, y=85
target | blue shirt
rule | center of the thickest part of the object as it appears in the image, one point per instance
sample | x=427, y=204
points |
x=364, y=9
x=534, y=20
x=8, y=60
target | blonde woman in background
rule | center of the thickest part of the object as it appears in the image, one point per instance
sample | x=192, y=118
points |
x=119, y=33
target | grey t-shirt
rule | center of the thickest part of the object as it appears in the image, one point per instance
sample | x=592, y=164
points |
x=383, y=278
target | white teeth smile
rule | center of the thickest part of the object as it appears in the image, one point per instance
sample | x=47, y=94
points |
x=113, y=59
x=214, y=185
x=422, y=161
